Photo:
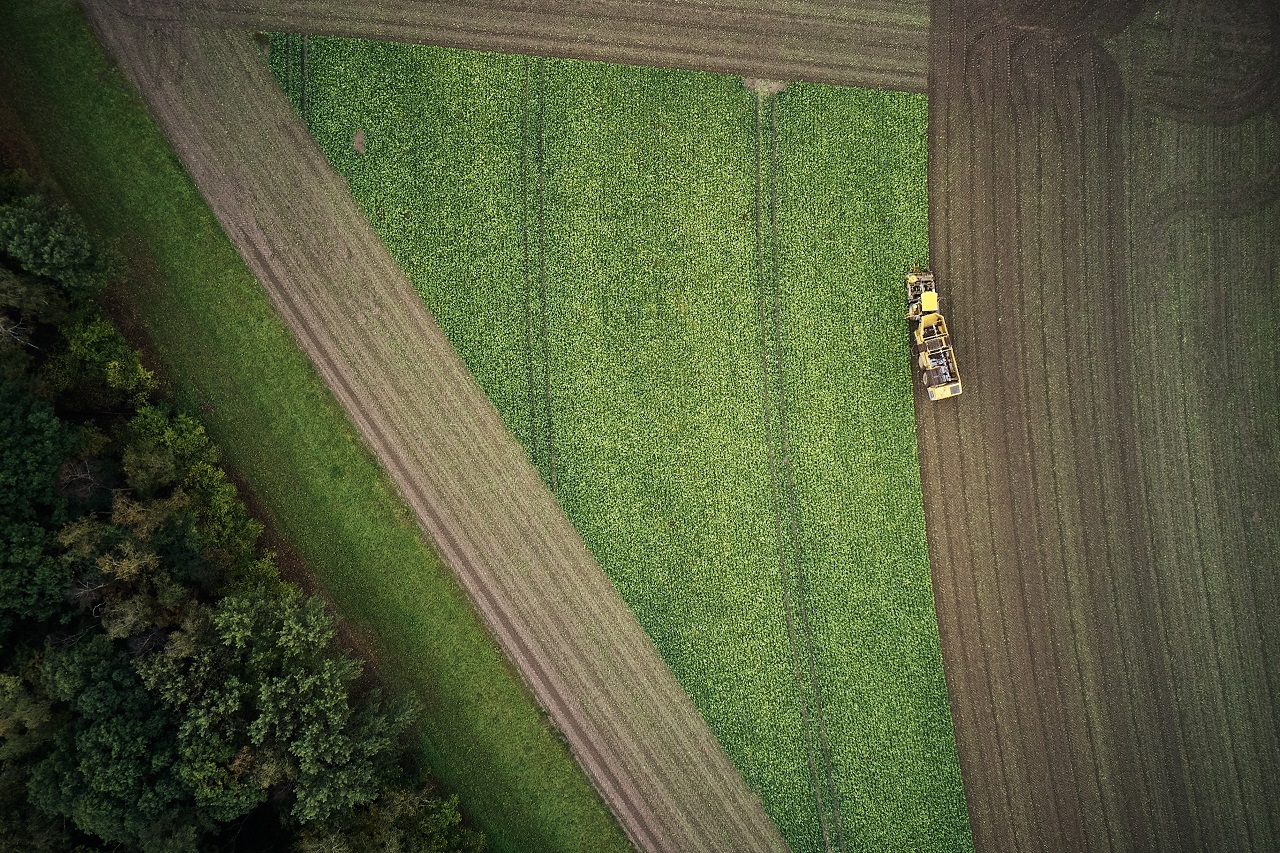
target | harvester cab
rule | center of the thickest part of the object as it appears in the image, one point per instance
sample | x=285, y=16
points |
x=932, y=342
x=922, y=294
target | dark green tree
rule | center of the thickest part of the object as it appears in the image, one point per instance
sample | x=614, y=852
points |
x=49, y=241
x=30, y=309
x=33, y=444
x=399, y=821
x=119, y=574
x=94, y=367
x=161, y=689
x=264, y=701
x=111, y=770
x=163, y=449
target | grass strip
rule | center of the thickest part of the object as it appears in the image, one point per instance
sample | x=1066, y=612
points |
x=226, y=352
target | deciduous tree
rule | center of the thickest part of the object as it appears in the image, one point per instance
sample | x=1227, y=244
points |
x=33, y=443
x=112, y=768
x=264, y=699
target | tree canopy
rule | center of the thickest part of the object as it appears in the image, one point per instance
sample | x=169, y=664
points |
x=33, y=445
x=161, y=687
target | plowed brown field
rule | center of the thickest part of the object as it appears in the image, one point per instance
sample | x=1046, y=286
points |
x=873, y=43
x=1101, y=501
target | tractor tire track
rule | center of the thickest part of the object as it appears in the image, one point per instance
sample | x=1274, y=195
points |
x=533, y=182
x=787, y=531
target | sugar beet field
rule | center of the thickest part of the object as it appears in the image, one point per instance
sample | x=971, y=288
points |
x=683, y=298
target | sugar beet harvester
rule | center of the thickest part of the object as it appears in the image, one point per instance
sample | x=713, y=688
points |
x=929, y=333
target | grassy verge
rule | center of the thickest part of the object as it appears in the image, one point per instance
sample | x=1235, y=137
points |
x=225, y=351
x=586, y=236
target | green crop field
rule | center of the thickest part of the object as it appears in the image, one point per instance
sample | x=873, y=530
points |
x=685, y=301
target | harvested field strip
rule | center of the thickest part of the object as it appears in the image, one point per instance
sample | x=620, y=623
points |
x=658, y=290
x=990, y=113
x=873, y=43
x=1105, y=663
x=1202, y=219
x=581, y=652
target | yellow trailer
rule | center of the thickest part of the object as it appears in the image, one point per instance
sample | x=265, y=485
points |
x=932, y=343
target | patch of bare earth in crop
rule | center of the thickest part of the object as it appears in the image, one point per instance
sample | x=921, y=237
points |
x=552, y=610
x=1101, y=500
x=764, y=88
x=873, y=43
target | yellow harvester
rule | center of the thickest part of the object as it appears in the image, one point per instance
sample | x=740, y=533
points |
x=929, y=333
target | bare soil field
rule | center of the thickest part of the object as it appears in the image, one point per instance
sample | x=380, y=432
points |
x=578, y=647
x=873, y=43
x=1101, y=501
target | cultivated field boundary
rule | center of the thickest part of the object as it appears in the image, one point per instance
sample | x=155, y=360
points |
x=1094, y=542
x=625, y=718
x=1086, y=717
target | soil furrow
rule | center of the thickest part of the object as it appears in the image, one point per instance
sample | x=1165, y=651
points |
x=1114, y=591
x=952, y=567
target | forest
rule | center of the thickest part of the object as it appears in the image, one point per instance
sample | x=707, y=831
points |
x=162, y=687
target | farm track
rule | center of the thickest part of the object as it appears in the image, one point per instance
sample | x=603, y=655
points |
x=874, y=43
x=580, y=650
x=791, y=562
x=1101, y=594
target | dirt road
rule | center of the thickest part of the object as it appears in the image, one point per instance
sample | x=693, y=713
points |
x=580, y=650
x=873, y=43
x=1097, y=541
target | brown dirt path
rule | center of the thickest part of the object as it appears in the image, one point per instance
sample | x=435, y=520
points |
x=872, y=43
x=580, y=650
x=1101, y=527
